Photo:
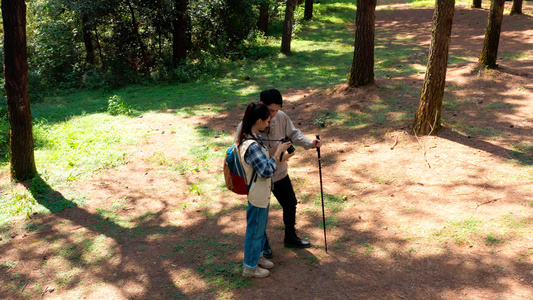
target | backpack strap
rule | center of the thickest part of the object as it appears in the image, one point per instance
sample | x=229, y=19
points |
x=254, y=175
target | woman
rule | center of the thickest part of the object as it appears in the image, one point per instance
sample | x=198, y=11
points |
x=259, y=169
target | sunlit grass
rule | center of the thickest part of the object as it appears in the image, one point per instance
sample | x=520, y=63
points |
x=75, y=148
x=421, y=2
x=517, y=56
x=478, y=231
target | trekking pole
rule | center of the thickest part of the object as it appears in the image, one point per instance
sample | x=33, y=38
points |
x=322, y=195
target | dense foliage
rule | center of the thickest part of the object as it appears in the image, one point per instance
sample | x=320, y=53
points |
x=108, y=43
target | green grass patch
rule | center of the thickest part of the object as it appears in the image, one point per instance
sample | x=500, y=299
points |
x=333, y=202
x=499, y=105
x=461, y=231
x=468, y=129
x=516, y=56
x=8, y=264
x=222, y=276
x=524, y=147
x=477, y=231
x=490, y=240
x=74, y=149
x=363, y=247
x=426, y=3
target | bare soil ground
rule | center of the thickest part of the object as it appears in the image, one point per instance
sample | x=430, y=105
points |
x=411, y=222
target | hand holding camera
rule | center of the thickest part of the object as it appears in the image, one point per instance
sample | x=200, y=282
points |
x=285, y=144
x=291, y=149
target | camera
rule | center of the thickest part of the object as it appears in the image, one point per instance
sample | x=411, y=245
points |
x=291, y=149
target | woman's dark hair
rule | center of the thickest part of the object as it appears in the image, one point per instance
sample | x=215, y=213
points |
x=268, y=97
x=253, y=113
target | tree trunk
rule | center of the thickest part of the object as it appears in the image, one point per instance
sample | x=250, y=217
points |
x=287, y=27
x=516, y=9
x=262, y=21
x=428, y=116
x=16, y=85
x=179, y=46
x=145, y=62
x=88, y=39
x=102, y=60
x=308, y=12
x=492, y=35
x=476, y=4
x=362, y=72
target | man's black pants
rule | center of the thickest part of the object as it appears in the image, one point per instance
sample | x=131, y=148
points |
x=284, y=192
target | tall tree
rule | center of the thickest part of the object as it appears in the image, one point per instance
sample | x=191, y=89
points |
x=88, y=38
x=16, y=86
x=287, y=27
x=264, y=16
x=492, y=35
x=180, y=31
x=308, y=12
x=476, y=4
x=135, y=27
x=516, y=9
x=428, y=116
x=362, y=72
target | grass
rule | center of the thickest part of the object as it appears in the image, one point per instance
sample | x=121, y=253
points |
x=479, y=231
x=73, y=149
x=333, y=202
x=222, y=276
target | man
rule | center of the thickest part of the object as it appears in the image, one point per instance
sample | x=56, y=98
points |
x=280, y=127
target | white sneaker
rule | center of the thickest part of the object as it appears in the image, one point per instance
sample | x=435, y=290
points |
x=257, y=273
x=265, y=263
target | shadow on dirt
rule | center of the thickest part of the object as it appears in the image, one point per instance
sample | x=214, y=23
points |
x=520, y=157
x=363, y=263
x=140, y=257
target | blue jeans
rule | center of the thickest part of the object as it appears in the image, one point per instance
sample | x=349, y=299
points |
x=256, y=223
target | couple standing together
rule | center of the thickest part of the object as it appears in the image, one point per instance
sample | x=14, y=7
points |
x=259, y=134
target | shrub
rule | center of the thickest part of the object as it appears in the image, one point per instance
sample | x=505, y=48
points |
x=117, y=106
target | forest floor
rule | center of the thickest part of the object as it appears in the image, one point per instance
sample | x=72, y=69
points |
x=430, y=217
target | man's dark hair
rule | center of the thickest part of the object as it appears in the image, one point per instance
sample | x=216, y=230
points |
x=271, y=96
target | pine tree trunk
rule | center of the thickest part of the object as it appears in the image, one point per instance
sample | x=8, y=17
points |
x=489, y=53
x=362, y=72
x=99, y=46
x=180, y=32
x=16, y=86
x=516, y=9
x=262, y=21
x=476, y=4
x=135, y=25
x=88, y=39
x=308, y=12
x=287, y=27
x=428, y=116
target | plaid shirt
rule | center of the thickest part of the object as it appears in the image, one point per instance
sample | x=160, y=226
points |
x=254, y=156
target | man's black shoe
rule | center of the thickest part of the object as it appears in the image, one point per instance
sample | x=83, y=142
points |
x=267, y=251
x=296, y=242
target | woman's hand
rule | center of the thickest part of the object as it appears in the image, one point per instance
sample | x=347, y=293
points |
x=282, y=147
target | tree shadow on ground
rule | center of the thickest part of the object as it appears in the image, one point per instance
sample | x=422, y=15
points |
x=369, y=265
x=520, y=157
x=141, y=259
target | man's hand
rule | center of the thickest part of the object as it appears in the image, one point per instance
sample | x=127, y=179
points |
x=317, y=143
